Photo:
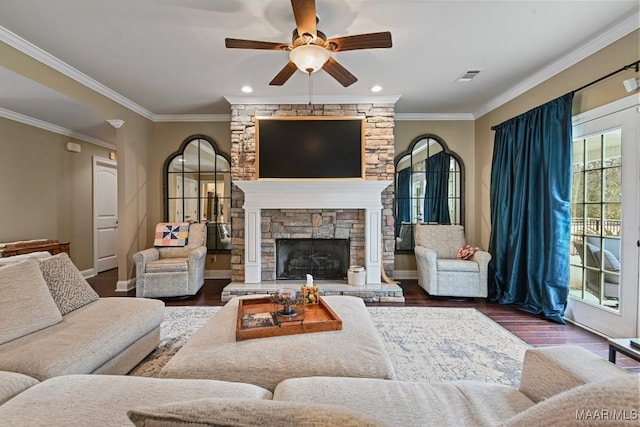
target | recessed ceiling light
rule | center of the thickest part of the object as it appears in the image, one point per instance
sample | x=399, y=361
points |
x=468, y=76
x=376, y=88
x=247, y=89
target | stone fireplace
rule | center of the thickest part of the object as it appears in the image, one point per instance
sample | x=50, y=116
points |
x=358, y=210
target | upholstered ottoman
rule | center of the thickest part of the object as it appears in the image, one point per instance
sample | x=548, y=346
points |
x=355, y=351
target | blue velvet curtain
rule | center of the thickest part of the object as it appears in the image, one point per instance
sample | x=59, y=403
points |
x=436, y=195
x=403, y=197
x=530, y=210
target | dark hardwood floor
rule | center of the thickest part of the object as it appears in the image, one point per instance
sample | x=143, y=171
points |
x=532, y=329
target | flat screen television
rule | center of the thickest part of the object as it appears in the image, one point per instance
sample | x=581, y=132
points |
x=310, y=147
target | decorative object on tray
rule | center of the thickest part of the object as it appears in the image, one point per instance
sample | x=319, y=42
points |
x=287, y=298
x=258, y=320
x=310, y=293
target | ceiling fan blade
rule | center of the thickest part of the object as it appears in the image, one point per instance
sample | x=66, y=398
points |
x=360, y=41
x=339, y=73
x=305, y=14
x=284, y=74
x=252, y=44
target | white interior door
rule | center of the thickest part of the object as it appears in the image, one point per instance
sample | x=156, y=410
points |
x=105, y=214
x=603, y=292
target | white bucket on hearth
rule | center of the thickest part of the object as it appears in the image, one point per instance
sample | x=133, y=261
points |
x=356, y=275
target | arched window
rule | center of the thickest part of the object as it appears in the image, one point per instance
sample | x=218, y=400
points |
x=197, y=188
x=429, y=181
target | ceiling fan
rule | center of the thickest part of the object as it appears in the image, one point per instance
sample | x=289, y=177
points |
x=310, y=50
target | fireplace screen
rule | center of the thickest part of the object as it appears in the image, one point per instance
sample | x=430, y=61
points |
x=326, y=259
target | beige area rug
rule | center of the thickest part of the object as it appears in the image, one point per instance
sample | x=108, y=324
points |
x=427, y=344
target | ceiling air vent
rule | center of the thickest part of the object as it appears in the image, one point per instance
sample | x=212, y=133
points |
x=468, y=76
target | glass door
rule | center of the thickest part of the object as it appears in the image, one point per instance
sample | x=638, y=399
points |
x=603, y=292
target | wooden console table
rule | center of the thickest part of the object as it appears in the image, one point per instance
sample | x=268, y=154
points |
x=51, y=246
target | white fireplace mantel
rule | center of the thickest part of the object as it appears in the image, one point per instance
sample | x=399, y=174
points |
x=328, y=194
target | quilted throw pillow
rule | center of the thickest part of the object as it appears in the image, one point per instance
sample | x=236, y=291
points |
x=67, y=286
x=171, y=234
x=467, y=251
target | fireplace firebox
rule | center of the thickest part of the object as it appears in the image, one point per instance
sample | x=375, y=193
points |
x=326, y=259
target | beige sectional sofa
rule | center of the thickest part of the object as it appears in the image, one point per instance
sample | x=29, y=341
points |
x=52, y=323
x=558, y=386
x=44, y=360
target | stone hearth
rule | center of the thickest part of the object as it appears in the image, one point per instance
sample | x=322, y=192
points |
x=381, y=292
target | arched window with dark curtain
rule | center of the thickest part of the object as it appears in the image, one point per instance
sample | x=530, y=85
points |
x=429, y=188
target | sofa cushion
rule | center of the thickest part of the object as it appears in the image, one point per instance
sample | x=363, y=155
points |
x=400, y=403
x=612, y=401
x=68, y=287
x=245, y=412
x=103, y=400
x=445, y=240
x=610, y=261
x=460, y=265
x=17, y=258
x=167, y=265
x=13, y=383
x=26, y=305
x=547, y=371
x=85, y=340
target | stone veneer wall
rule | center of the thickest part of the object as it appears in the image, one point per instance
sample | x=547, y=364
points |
x=379, y=154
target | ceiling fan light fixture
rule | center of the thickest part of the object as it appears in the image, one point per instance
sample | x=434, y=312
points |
x=309, y=58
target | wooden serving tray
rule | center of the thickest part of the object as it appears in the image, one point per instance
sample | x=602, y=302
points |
x=310, y=318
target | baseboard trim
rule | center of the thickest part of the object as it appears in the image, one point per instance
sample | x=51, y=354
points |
x=405, y=274
x=90, y=272
x=217, y=274
x=125, y=285
x=580, y=325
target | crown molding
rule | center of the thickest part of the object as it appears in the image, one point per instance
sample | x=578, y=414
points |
x=46, y=58
x=160, y=118
x=41, y=124
x=433, y=116
x=304, y=99
x=629, y=24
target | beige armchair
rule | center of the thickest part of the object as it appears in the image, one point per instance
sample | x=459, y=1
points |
x=440, y=272
x=163, y=272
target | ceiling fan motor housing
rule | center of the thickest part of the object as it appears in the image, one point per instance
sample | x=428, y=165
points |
x=297, y=40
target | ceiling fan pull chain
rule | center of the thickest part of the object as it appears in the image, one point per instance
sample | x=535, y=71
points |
x=310, y=85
